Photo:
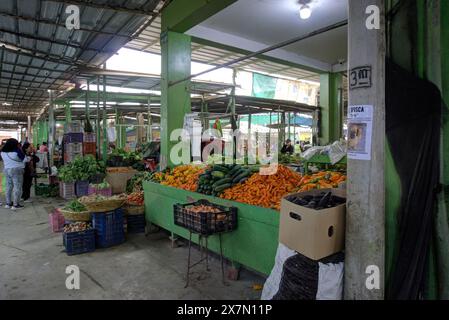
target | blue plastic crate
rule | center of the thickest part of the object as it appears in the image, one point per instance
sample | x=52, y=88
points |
x=108, y=228
x=136, y=224
x=79, y=242
x=82, y=188
x=74, y=137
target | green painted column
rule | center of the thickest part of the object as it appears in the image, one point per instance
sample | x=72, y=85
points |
x=175, y=99
x=331, y=112
x=68, y=113
x=104, y=147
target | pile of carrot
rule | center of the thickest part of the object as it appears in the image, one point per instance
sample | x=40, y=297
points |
x=183, y=177
x=265, y=190
x=321, y=180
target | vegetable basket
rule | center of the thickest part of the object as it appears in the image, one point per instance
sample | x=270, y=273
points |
x=76, y=216
x=205, y=223
x=103, y=205
x=107, y=192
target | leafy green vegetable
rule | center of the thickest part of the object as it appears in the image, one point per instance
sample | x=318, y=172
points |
x=81, y=169
x=135, y=183
x=75, y=206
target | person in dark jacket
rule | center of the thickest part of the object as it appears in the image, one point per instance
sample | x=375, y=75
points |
x=287, y=147
x=29, y=172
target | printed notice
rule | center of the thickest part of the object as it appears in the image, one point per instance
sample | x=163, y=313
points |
x=360, y=128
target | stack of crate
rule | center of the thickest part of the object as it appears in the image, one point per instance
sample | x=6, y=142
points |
x=73, y=141
x=89, y=144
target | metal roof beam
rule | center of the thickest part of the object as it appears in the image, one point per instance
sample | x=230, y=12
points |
x=53, y=23
x=53, y=41
x=30, y=67
x=38, y=55
x=104, y=6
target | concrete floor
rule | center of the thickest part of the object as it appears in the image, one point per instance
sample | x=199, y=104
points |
x=32, y=265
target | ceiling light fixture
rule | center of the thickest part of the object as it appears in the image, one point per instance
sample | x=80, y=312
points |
x=305, y=12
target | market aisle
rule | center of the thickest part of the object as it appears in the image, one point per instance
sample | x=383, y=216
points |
x=33, y=263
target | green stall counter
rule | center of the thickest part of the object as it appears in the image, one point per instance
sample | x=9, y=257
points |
x=253, y=244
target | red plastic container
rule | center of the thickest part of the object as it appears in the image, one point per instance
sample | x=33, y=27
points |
x=56, y=220
x=89, y=148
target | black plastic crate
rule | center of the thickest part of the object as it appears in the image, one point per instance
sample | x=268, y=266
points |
x=205, y=223
x=108, y=227
x=79, y=242
x=136, y=224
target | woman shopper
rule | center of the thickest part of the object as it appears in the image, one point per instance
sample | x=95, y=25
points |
x=14, y=164
x=29, y=172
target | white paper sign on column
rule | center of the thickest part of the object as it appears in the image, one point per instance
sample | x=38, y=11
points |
x=360, y=129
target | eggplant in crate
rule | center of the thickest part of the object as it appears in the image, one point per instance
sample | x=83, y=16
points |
x=205, y=218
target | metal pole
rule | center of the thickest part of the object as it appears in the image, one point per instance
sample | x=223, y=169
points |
x=271, y=48
x=97, y=121
x=104, y=150
x=87, y=101
x=150, y=122
x=52, y=128
x=29, y=135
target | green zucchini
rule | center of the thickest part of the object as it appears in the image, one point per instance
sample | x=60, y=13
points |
x=221, y=168
x=222, y=187
x=222, y=181
x=218, y=174
x=241, y=176
x=238, y=172
x=236, y=168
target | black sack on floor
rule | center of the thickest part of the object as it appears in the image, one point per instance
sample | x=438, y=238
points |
x=300, y=276
x=413, y=124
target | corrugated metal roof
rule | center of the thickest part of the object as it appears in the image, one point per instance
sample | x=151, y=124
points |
x=148, y=41
x=38, y=53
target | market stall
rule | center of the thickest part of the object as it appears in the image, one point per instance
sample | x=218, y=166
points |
x=257, y=198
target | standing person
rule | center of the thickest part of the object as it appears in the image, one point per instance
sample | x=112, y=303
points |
x=14, y=164
x=43, y=148
x=287, y=147
x=29, y=172
x=298, y=148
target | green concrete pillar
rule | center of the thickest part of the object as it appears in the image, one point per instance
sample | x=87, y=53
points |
x=331, y=109
x=68, y=113
x=175, y=99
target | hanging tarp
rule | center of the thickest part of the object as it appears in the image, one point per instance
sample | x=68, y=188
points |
x=264, y=86
x=412, y=103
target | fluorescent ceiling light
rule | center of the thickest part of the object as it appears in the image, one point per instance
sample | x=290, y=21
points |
x=305, y=12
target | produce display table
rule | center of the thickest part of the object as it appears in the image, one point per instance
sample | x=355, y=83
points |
x=253, y=244
x=321, y=159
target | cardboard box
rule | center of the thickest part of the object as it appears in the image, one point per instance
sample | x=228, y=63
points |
x=315, y=234
x=118, y=180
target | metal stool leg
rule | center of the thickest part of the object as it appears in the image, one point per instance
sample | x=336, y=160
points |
x=222, y=262
x=207, y=256
x=188, y=261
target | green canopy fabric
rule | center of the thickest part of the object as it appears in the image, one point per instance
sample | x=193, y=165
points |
x=264, y=86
